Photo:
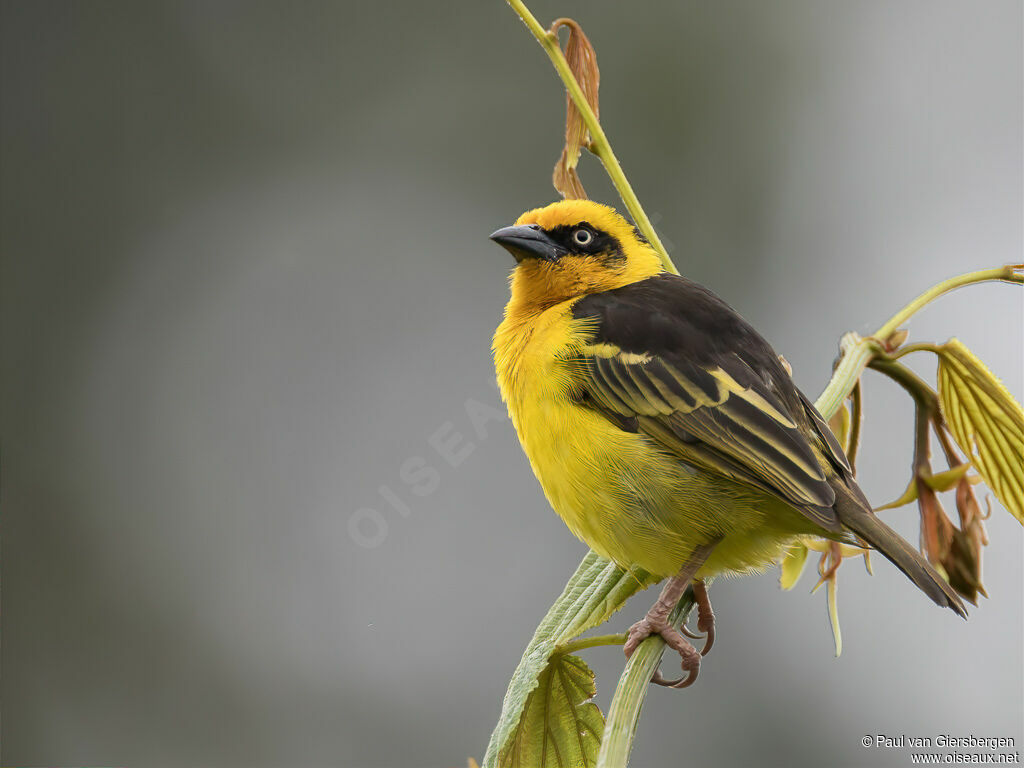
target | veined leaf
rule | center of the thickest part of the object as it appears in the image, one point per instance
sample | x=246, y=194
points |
x=986, y=422
x=596, y=590
x=560, y=726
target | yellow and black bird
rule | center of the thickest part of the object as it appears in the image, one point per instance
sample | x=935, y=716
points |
x=663, y=428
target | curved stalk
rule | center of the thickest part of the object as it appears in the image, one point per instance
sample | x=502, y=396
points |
x=591, y=642
x=624, y=712
x=914, y=385
x=599, y=143
x=1007, y=274
x=855, y=353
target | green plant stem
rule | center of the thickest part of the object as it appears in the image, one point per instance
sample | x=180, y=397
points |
x=591, y=642
x=1007, y=274
x=923, y=346
x=624, y=712
x=914, y=385
x=922, y=393
x=597, y=589
x=599, y=143
x=855, y=354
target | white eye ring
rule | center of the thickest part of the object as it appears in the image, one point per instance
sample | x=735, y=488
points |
x=582, y=236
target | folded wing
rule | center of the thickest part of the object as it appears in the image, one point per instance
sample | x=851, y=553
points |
x=672, y=361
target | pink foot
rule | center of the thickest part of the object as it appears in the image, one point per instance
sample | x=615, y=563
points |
x=654, y=625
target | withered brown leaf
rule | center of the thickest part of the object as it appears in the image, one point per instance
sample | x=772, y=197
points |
x=582, y=59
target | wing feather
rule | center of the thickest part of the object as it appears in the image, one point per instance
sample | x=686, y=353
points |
x=725, y=410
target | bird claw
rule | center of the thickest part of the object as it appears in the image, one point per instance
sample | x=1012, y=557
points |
x=708, y=628
x=690, y=657
x=709, y=639
x=683, y=682
x=705, y=616
x=705, y=619
x=690, y=633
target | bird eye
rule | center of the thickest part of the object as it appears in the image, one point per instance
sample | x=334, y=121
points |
x=582, y=236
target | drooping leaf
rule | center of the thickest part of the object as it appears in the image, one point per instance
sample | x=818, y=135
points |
x=909, y=495
x=582, y=60
x=833, y=614
x=793, y=565
x=964, y=566
x=945, y=481
x=842, y=550
x=560, y=726
x=840, y=425
x=986, y=422
x=936, y=527
x=596, y=590
x=832, y=555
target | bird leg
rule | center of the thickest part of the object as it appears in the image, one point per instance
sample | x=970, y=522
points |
x=656, y=622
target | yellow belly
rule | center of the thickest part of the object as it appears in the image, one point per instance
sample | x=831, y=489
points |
x=628, y=500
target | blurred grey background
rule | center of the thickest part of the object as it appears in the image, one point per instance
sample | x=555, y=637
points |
x=246, y=281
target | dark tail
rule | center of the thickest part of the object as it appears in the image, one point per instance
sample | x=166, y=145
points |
x=854, y=513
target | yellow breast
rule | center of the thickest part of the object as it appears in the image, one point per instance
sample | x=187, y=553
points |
x=592, y=472
x=530, y=354
x=628, y=502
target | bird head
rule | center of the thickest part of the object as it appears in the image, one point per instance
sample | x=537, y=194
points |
x=572, y=248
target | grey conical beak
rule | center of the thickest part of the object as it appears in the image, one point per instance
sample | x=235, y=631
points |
x=528, y=241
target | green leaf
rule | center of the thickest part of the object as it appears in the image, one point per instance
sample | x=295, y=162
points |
x=793, y=565
x=596, y=590
x=945, y=481
x=986, y=422
x=840, y=425
x=560, y=726
x=909, y=495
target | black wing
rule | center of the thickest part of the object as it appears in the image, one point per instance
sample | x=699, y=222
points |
x=670, y=359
